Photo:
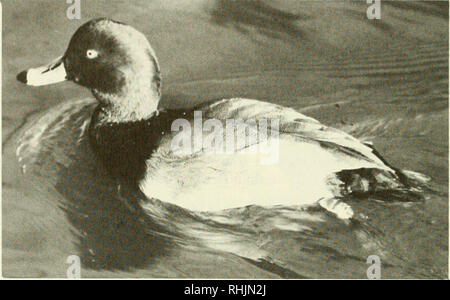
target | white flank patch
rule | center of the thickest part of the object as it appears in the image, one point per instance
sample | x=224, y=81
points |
x=217, y=182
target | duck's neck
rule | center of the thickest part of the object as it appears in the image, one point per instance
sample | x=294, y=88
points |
x=132, y=105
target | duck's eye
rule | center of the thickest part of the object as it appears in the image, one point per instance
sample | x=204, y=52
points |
x=91, y=54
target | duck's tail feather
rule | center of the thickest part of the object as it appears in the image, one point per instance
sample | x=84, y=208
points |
x=416, y=178
x=406, y=177
x=383, y=184
x=395, y=185
x=400, y=175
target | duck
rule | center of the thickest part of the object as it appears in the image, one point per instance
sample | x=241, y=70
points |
x=192, y=157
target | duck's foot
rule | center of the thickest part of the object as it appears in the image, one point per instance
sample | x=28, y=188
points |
x=336, y=206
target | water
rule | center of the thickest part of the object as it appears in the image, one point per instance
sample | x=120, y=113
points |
x=383, y=82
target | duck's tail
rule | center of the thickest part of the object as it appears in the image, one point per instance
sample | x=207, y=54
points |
x=407, y=178
x=395, y=185
x=398, y=186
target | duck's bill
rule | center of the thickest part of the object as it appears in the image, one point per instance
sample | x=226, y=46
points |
x=51, y=73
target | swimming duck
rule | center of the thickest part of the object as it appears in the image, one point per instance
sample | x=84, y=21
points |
x=301, y=163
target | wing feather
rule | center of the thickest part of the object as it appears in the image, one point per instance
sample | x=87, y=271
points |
x=293, y=123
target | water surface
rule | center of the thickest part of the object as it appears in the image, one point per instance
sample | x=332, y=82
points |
x=384, y=81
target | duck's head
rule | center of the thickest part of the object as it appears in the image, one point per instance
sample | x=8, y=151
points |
x=113, y=60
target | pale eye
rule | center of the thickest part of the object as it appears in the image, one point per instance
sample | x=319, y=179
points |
x=91, y=54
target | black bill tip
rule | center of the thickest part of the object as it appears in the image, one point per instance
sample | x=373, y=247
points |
x=22, y=76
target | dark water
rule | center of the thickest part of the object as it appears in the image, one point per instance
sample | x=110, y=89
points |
x=385, y=81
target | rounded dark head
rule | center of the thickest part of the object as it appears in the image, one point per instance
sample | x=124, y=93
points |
x=112, y=59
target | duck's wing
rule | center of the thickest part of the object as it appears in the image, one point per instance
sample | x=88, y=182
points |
x=293, y=123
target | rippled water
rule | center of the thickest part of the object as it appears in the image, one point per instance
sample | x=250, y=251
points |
x=58, y=201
